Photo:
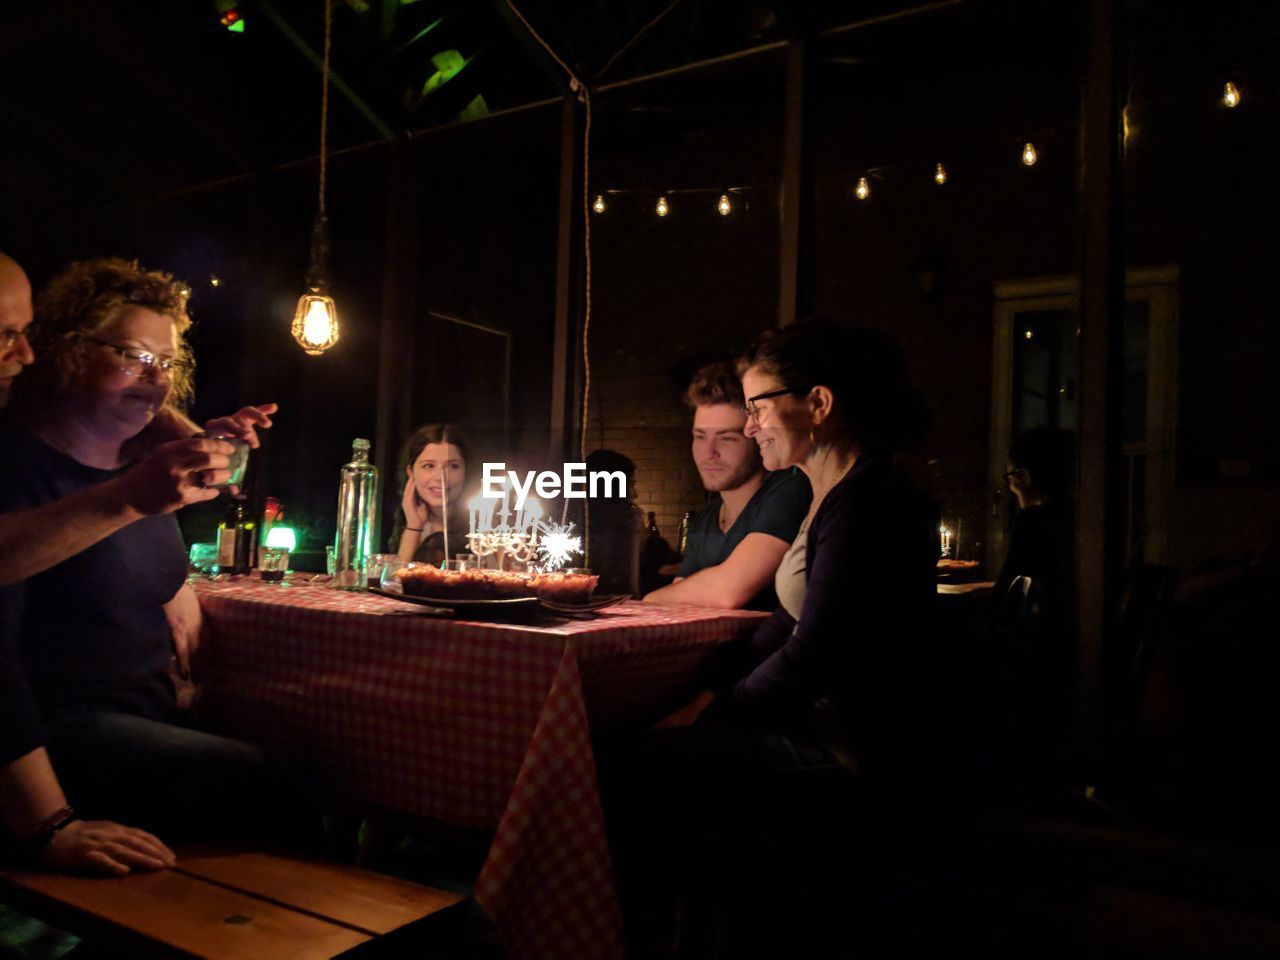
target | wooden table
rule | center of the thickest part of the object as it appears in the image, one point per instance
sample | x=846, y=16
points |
x=485, y=725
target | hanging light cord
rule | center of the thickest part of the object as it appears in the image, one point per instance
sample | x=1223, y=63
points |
x=584, y=94
x=324, y=97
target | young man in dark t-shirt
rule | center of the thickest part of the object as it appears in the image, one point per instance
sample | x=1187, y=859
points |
x=737, y=540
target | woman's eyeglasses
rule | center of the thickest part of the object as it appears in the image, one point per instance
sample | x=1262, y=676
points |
x=141, y=363
x=753, y=412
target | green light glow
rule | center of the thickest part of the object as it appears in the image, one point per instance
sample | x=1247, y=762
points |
x=448, y=64
x=282, y=537
x=238, y=26
x=475, y=109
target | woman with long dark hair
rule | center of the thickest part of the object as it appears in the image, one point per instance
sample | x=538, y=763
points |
x=433, y=506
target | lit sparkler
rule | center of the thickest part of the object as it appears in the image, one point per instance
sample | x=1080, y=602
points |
x=556, y=544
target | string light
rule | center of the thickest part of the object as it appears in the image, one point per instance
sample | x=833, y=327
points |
x=724, y=206
x=662, y=209
x=1231, y=95
x=1029, y=157
x=1027, y=333
x=863, y=189
x=599, y=205
x=939, y=174
x=215, y=280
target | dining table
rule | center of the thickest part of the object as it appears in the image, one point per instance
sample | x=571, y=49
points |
x=475, y=722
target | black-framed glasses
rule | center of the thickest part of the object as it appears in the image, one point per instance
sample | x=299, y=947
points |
x=753, y=412
x=8, y=338
x=142, y=363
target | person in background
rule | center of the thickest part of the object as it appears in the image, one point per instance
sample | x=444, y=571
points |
x=1041, y=544
x=175, y=468
x=434, y=460
x=738, y=539
x=612, y=528
x=88, y=714
x=1042, y=756
x=822, y=724
x=15, y=318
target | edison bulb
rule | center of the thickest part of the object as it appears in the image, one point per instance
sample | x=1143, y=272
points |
x=599, y=205
x=315, y=323
x=1231, y=95
x=1029, y=154
x=662, y=209
x=724, y=206
x=863, y=189
x=939, y=174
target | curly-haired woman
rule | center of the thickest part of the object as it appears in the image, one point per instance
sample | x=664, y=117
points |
x=90, y=732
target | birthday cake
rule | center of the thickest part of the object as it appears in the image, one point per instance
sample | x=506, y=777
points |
x=425, y=580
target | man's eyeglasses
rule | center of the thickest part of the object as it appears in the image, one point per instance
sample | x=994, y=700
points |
x=8, y=338
x=141, y=363
x=753, y=412
x=1012, y=473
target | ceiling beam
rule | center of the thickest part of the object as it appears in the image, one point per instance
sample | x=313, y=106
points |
x=336, y=81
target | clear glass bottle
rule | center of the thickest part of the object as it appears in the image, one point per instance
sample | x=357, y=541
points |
x=357, y=511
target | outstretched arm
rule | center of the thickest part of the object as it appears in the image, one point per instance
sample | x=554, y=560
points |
x=173, y=476
x=732, y=584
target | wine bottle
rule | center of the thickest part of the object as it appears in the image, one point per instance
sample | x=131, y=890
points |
x=230, y=533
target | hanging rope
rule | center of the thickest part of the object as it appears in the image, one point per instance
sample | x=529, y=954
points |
x=584, y=94
x=324, y=98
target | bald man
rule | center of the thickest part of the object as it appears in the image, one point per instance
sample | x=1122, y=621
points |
x=179, y=469
x=15, y=317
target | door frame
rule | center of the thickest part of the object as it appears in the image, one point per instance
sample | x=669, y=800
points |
x=1158, y=286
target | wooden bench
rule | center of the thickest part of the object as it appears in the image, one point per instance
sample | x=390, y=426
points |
x=234, y=905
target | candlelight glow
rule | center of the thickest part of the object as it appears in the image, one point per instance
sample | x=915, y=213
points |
x=315, y=323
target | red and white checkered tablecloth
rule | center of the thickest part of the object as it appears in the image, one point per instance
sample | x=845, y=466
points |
x=483, y=725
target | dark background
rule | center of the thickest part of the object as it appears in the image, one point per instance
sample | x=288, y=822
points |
x=147, y=130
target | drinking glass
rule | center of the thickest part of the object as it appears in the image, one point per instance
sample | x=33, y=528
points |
x=203, y=557
x=239, y=461
x=273, y=563
x=377, y=565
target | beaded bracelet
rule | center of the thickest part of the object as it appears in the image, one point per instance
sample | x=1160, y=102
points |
x=49, y=827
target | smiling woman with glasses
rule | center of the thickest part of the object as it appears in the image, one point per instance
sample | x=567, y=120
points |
x=824, y=724
x=90, y=725
x=140, y=363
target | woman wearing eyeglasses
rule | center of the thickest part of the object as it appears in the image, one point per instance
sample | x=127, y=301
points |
x=823, y=725
x=90, y=733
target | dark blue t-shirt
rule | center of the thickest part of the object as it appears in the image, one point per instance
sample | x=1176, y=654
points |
x=778, y=508
x=90, y=633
